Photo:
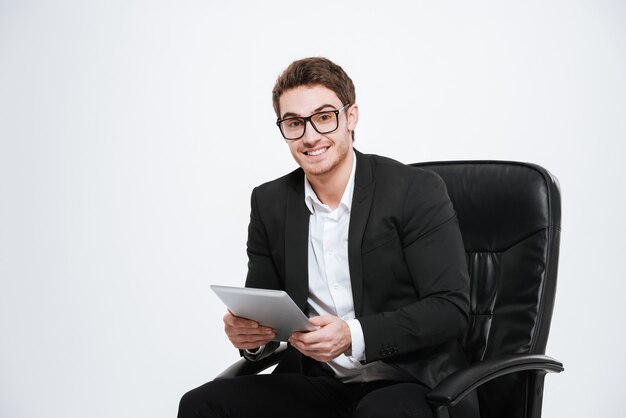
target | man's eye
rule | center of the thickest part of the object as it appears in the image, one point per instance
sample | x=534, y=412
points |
x=325, y=116
x=294, y=123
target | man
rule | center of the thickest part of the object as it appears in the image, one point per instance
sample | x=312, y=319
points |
x=370, y=250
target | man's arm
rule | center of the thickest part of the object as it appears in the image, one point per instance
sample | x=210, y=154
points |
x=433, y=250
x=262, y=272
x=254, y=341
x=435, y=257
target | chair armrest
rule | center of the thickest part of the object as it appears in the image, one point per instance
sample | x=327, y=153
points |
x=455, y=387
x=244, y=366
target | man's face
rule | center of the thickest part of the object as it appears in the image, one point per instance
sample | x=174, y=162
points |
x=319, y=155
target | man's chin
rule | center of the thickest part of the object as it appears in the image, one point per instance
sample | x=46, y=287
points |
x=316, y=169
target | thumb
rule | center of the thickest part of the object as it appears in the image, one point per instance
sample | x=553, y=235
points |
x=323, y=320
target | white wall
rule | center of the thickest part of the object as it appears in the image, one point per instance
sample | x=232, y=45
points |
x=132, y=132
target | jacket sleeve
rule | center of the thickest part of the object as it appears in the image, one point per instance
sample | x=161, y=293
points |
x=262, y=272
x=435, y=257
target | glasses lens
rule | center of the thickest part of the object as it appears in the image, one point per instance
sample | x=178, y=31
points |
x=324, y=122
x=292, y=128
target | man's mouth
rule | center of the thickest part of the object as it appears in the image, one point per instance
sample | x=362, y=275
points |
x=316, y=152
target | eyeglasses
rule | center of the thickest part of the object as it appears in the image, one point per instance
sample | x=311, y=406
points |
x=323, y=122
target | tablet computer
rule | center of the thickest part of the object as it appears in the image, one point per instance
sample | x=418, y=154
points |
x=271, y=308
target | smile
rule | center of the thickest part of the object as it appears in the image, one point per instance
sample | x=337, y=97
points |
x=316, y=152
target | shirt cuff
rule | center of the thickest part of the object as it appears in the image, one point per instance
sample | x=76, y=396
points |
x=255, y=352
x=358, y=340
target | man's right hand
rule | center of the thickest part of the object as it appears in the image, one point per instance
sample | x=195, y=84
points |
x=246, y=334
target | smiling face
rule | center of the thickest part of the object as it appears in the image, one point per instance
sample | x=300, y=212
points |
x=320, y=155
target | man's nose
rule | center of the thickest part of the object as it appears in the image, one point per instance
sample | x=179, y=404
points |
x=311, y=136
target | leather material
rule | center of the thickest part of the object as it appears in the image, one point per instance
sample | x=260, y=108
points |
x=451, y=390
x=510, y=218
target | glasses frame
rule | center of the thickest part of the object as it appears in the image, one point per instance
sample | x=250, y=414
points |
x=308, y=119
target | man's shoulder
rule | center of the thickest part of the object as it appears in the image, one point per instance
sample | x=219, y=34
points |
x=388, y=168
x=281, y=184
x=385, y=163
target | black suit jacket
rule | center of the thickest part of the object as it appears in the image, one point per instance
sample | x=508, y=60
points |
x=406, y=258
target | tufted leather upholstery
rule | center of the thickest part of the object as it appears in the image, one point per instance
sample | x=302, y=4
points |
x=510, y=218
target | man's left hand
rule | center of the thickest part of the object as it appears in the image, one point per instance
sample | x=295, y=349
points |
x=332, y=339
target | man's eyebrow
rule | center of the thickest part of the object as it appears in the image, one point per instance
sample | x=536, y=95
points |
x=319, y=109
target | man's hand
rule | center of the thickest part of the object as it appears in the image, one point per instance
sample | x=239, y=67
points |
x=332, y=339
x=246, y=334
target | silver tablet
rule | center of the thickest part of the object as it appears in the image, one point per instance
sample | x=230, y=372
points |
x=272, y=308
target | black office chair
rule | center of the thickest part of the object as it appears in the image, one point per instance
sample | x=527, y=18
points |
x=510, y=218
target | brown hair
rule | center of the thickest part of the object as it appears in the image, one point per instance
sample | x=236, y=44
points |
x=314, y=71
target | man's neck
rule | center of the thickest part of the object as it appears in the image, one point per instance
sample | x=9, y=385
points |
x=330, y=187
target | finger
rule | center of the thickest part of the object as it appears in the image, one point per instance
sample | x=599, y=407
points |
x=302, y=348
x=251, y=339
x=323, y=320
x=311, y=337
x=297, y=335
x=247, y=327
x=250, y=330
x=305, y=347
x=239, y=322
x=263, y=332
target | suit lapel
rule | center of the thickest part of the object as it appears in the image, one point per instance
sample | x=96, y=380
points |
x=296, y=244
x=361, y=204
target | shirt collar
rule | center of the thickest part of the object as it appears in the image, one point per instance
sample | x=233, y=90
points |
x=310, y=198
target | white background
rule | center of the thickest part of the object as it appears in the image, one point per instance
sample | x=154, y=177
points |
x=132, y=132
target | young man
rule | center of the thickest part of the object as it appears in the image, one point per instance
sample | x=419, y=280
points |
x=369, y=249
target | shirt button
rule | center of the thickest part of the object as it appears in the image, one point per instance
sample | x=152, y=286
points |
x=335, y=286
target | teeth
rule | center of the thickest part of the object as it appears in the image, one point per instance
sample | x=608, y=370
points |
x=316, y=152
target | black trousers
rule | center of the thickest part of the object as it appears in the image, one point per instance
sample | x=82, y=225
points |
x=294, y=395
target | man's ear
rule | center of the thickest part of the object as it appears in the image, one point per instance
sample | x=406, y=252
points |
x=353, y=116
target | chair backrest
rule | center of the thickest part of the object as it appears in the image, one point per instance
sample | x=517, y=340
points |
x=510, y=218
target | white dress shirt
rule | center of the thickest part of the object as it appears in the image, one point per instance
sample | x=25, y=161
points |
x=330, y=289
